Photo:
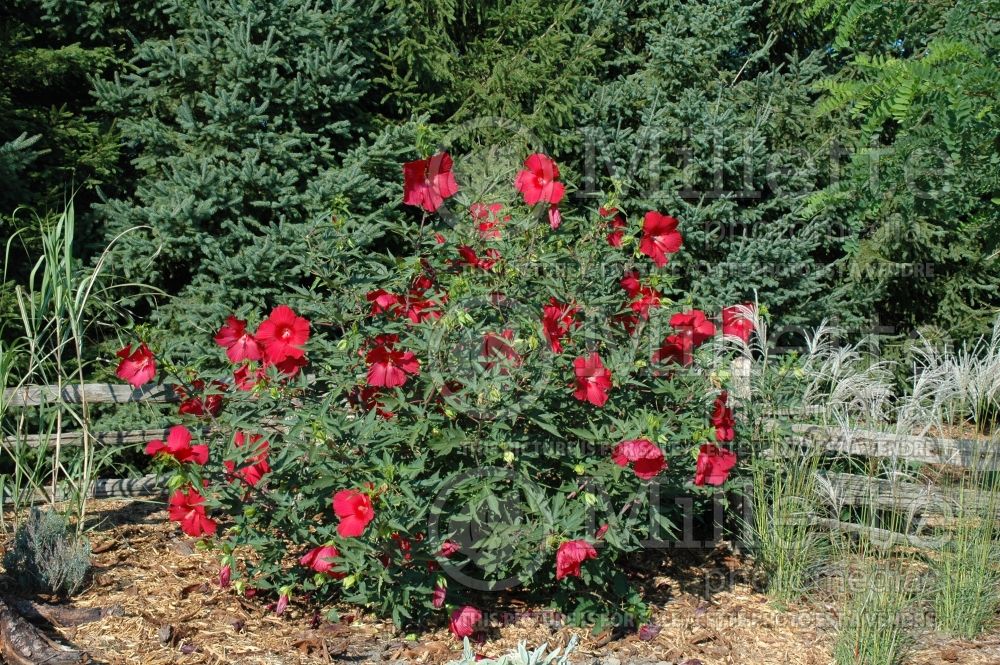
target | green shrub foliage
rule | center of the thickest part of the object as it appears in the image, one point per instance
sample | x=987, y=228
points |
x=506, y=404
x=231, y=120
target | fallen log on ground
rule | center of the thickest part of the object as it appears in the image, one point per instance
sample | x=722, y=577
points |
x=61, y=615
x=21, y=643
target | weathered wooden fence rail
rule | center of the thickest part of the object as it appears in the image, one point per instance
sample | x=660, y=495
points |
x=92, y=393
x=75, y=438
x=922, y=449
x=108, y=488
x=918, y=501
x=899, y=509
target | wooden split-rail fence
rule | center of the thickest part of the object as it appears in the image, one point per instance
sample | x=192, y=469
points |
x=910, y=506
x=922, y=503
x=93, y=393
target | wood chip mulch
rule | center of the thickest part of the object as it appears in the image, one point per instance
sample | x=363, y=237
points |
x=170, y=609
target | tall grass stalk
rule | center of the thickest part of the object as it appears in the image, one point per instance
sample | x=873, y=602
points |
x=885, y=564
x=961, y=391
x=967, y=570
x=58, y=306
x=875, y=623
x=778, y=530
x=787, y=548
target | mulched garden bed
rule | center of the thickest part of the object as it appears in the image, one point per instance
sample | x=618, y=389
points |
x=163, y=605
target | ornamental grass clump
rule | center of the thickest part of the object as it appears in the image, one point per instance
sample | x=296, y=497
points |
x=496, y=405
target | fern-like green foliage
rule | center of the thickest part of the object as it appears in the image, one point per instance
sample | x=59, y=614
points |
x=922, y=187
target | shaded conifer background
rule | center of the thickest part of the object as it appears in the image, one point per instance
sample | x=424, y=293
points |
x=838, y=159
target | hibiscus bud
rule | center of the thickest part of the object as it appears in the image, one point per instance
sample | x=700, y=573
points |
x=649, y=632
x=282, y=604
x=449, y=547
x=440, y=592
x=555, y=217
x=225, y=575
x=601, y=531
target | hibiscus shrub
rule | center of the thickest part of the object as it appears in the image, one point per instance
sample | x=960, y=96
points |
x=508, y=402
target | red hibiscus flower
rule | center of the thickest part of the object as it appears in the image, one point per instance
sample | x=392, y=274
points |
x=630, y=282
x=464, y=621
x=593, y=380
x=644, y=298
x=387, y=366
x=200, y=404
x=537, y=182
x=693, y=324
x=736, y=323
x=368, y=398
x=646, y=458
x=722, y=419
x=383, y=302
x=187, y=509
x=675, y=348
x=489, y=219
x=255, y=466
x=647, y=299
x=570, y=555
x=428, y=182
x=693, y=330
x=137, y=367
x=498, y=346
x=557, y=320
x=660, y=237
x=290, y=366
x=179, y=447
x=245, y=379
x=616, y=225
x=354, y=508
x=322, y=560
x=419, y=310
x=282, y=334
x=417, y=306
x=714, y=464
x=469, y=258
x=448, y=548
x=238, y=343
